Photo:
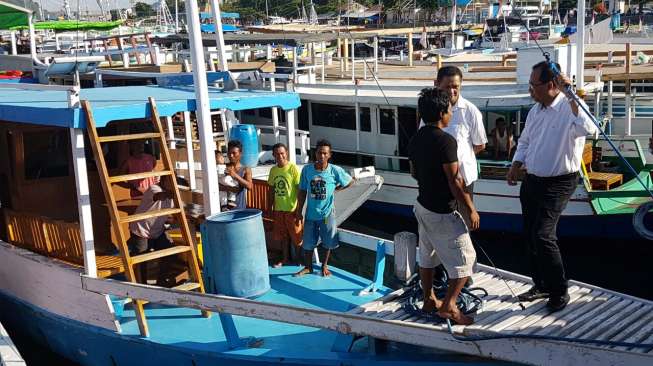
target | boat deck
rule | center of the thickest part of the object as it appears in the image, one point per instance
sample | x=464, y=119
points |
x=186, y=328
x=593, y=313
x=9, y=355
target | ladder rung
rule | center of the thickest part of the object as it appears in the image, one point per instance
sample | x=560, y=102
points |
x=127, y=177
x=187, y=286
x=160, y=254
x=133, y=136
x=150, y=214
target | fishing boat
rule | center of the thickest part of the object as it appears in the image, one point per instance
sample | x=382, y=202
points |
x=57, y=272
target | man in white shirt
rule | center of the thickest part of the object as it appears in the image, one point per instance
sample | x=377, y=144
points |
x=550, y=149
x=466, y=126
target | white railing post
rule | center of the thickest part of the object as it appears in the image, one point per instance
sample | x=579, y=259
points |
x=171, y=133
x=290, y=132
x=83, y=200
x=324, y=58
x=190, y=156
x=275, y=113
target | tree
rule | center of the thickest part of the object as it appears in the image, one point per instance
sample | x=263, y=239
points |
x=143, y=10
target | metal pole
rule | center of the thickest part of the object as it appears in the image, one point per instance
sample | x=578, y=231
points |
x=376, y=56
x=290, y=130
x=210, y=186
x=580, y=45
x=83, y=200
x=610, y=90
x=219, y=37
x=353, y=61
x=275, y=113
x=294, y=64
x=176, y=16
x=323, y=60
x=14, y=51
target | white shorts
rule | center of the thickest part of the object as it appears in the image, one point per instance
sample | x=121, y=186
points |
x=444, y=239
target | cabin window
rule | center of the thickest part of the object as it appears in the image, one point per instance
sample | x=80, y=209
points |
x=387, y=121
x=250, y=112
x=265, y=113
x=46, y=154
x=302, y=113
x=334, y=116
x=366, y=120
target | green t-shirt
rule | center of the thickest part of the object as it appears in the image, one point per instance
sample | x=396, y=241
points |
x=285, y=182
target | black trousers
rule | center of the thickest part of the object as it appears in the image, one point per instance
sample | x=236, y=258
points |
x=542, y=203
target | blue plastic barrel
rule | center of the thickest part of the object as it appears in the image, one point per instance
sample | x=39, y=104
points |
x=247, y=136
x=235, y=256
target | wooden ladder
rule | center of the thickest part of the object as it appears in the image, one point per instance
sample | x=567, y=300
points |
x=177, y=211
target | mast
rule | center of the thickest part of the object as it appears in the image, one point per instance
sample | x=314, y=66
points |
x=219, y=37
x=580, y=45
x=210, y=186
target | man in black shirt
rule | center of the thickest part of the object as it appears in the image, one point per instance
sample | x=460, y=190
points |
x=443, y=235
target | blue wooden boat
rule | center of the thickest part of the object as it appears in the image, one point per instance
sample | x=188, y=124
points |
x=42, y=253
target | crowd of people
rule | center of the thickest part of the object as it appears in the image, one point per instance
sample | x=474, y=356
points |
x=443, y=161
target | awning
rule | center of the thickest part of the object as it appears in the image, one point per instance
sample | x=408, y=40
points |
x=12, y=16
x=71, y=25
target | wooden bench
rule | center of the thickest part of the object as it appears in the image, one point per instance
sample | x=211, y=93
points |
x=258, y=198
x=599, y=180
x=56, y=239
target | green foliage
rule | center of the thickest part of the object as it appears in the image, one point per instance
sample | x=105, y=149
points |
x=143, y=9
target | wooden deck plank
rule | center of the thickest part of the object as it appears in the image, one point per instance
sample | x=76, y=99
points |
x=578, y=308
x=518, y=316
x=640, y=334
x=626, y=324
x=598, y=319
x=531, y=320
x=608, y=325
x=566, y=327
x=497, y=308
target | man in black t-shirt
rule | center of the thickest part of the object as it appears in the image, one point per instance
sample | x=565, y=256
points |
x=443, y=235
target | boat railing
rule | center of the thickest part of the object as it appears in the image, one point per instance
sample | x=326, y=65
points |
x=72, y=90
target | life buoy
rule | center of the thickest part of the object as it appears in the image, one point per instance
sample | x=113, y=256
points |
x=638, y=220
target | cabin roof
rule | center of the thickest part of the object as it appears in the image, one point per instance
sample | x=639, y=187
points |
x=51, y=107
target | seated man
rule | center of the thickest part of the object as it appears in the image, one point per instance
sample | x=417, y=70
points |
x=501, y=140
x=149, y=234
x=317, y=185
x=139, y=162
x=443, y=236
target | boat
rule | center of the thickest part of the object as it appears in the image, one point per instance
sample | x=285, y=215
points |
x=52, y=292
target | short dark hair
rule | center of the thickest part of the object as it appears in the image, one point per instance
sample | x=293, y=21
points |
x=432, y=103
x=500, y=119
x=278, y=145
x=448, y=71
x=235, y=143
x=546, y=73
x=323, y=142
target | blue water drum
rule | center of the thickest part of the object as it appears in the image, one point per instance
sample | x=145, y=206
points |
x=235, y=256
x=247, y=136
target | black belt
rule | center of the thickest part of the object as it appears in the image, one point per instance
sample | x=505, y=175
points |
x=556, y=178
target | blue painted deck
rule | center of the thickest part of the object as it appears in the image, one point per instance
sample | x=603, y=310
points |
x=187, y=328
x=181, y=336
x=116, y=103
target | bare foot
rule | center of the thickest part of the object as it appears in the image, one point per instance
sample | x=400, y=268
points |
x=455, y=315
x=280, y=264
x=431, y=304
x=304, y=271
x=325, y=271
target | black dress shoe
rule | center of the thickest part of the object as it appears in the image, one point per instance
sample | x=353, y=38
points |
x=533, y=294
x=557, y=303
